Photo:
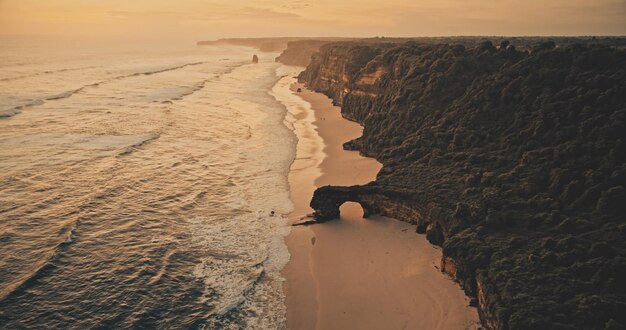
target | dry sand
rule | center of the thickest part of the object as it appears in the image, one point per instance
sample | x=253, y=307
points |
x=356, y=273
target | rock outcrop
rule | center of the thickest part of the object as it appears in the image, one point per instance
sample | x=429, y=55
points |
x=512, y=161
x=255, y=59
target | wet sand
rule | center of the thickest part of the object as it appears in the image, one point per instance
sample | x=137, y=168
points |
x=356, y=273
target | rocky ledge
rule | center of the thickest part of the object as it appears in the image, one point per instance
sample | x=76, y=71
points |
x=511, y=160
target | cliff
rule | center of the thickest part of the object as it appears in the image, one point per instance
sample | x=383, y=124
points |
x=275, y=44
x=262, y=44
x=512, y=161
x=299, y=52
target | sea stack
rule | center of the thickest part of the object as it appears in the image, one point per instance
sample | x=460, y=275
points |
x=255, y=59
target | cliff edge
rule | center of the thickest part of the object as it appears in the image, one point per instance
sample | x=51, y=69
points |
x=512, y=161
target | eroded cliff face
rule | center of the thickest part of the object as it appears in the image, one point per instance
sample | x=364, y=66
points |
x=333, y=68
x=512, y=161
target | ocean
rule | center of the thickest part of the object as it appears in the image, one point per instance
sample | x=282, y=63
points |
x=142, y=185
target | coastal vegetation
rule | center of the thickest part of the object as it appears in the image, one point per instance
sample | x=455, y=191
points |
x=508, y=155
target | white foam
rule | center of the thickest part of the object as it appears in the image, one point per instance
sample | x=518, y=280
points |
x=244, y=242
x=220, y=149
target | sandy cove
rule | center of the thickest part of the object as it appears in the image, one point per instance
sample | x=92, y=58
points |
x=356, y=273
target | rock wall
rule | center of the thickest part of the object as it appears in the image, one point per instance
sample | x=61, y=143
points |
x=512, y=161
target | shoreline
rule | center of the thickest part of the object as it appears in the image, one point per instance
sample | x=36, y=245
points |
x=354, y=272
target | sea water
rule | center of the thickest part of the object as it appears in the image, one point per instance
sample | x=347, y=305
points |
x=141, y=186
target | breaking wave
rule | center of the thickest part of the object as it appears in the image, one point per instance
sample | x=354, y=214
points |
x=142, y=140
x=41, y=268
x=47, y=72
x=196, y=87
x=9, y=113
x=16, y=110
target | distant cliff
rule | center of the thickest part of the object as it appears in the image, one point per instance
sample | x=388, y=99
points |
x=300, y=52
x=277, y=44
x=512, y=161
x=262, y=44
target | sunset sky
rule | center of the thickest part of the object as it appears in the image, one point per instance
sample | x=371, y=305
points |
x=198, y=19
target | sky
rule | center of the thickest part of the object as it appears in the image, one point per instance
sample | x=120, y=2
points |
x=206, y=19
